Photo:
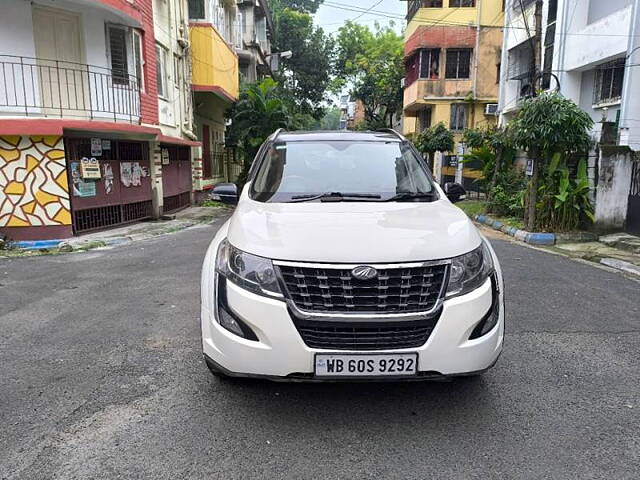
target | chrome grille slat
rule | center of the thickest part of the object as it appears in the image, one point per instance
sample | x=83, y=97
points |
x=397, y=289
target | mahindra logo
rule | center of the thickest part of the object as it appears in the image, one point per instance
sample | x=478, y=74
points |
x=364, y=272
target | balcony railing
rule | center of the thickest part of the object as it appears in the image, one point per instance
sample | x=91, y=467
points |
x=55, y=88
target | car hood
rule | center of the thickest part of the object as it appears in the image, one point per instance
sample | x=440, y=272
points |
x=352, y=232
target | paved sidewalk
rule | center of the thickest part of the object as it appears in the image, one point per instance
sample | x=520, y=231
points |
x=620, y=251
x=186, y=218
x=139, y=231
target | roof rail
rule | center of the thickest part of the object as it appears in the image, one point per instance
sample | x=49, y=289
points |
x=392, y=131
x=277, y=132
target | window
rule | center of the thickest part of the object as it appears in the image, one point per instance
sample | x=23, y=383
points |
x=138, y=59
x=458, y=63
x=196, y=9
x=458, y=116
x=462, y=3
x=118, y=54
x=608, y=82
x=424, y=119
x=430, y=63
x=553, y=11
x=549, y=41
x=311, y=168
x=414, y=5
x=548, y=56
x=177, y=68
x=161, y=71
x=412, y=69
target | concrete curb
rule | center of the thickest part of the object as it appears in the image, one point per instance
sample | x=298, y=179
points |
x=81, y=244
x=37, y=244
x=520, y=235
x=621, y=265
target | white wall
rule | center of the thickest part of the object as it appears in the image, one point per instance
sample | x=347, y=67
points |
x=630, y=108
x=588, y=45
x=612, y=195
x=16, y=38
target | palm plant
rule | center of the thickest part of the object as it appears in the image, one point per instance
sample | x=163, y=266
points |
x=259, y=112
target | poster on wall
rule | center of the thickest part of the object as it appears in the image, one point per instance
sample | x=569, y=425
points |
x=96, y=147
x=108, y=178
x=165, y=156
x=106, y=144
x=80, y=187
x=89, y=168
x=136, y=174
x=125, y=173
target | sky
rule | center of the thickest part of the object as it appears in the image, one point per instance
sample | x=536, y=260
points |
x=331, y=18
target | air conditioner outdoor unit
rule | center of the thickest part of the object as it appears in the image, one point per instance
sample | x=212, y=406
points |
x=491, y=109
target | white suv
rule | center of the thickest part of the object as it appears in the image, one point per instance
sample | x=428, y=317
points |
x=344, y=260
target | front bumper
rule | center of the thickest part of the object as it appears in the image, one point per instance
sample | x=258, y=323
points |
x=281, y=353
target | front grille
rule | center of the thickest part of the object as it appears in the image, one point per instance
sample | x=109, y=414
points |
x=394, y=290
x=368, y=336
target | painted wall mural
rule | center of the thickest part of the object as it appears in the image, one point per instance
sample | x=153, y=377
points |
x=34, y=189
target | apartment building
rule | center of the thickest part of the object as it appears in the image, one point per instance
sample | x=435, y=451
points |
x=587, y=54
x=452, y=62
x=254, y=46
x=80, y=115
x=590, y=50
x=215, y=34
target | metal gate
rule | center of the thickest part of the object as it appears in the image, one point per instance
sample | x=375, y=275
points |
x=176, y=178
x=122, y=194
x=633, y=209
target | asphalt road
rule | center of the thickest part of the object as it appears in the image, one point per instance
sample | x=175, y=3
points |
x=101, y=377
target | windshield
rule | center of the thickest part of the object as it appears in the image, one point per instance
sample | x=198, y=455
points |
x=368, y=171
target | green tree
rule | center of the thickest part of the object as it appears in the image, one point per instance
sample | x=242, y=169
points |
x=546, y=126
x=370, y=63
x=330, y=120
x=258, y=113
x=305, y=76
x=437, y=138
x=499, y=144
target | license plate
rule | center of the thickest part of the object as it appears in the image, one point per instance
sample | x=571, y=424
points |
x=371, y=365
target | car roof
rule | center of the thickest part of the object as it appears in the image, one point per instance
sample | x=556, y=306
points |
x=337, y=135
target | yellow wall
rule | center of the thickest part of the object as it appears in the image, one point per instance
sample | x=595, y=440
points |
x=34, y=190
x=490, y=14
x=215, y=64
x=441, y=112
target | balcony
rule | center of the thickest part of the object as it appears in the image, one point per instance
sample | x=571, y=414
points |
x=36, y=87
x=215, y=63
x=423, y=90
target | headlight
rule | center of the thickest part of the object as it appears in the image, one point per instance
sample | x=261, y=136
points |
x=469, y=271
x=251, y=272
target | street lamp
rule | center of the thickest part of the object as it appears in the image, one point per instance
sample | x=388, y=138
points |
x=274, y=62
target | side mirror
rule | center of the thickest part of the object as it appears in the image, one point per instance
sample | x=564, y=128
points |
x=225, y=193
x=455, y=192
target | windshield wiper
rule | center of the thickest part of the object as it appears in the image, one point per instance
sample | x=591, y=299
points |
x=333, y=197
x=410, y=196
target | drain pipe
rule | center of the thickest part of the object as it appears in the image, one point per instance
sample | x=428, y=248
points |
x=476, y=64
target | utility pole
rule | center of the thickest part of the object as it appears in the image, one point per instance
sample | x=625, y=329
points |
x=536, y=53
x=536, y=154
